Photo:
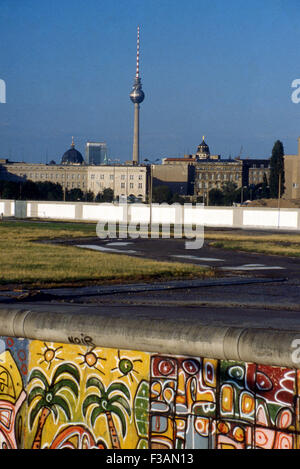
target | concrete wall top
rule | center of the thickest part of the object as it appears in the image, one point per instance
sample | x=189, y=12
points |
x=78, y=326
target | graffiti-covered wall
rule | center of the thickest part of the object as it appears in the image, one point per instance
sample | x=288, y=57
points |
x=55, y=395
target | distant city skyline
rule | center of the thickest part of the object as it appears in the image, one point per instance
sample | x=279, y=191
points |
x=213, y=68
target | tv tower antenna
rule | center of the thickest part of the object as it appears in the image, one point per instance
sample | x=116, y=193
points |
x=137, y=96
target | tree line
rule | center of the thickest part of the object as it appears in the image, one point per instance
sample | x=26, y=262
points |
x=227, y=195
x=51, y=191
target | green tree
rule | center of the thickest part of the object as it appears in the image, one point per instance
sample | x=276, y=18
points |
x=265, y=189
x=229, y=193
x=49, y=190
x=29, y=191
x=75, y=195
x=277, y=170
x=107, y=402
x=161, y=194
x=10, y=190
x=216, y=197
x=177, y=198
x=89, y=196
x=47, y=398
x=106, y=196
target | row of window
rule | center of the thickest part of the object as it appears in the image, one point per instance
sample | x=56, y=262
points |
x=40, y=176
x=219, y=176
x=112, y=176
x=259, y=173
x=123, y=185
x=208, y=185
x=52, y=176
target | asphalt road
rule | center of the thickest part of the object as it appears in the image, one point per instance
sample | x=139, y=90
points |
x=224, y=261
x=260, y=290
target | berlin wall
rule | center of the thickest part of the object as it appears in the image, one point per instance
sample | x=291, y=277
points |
x=234, y=217
x=76, y=381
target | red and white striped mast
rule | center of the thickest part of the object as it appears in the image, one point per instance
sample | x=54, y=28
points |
x=137, y=96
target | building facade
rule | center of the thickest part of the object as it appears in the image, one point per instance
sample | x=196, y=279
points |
x=125, y=181
x=73, y=173
x=95, y=153
x=203, y=171
x=292, y=175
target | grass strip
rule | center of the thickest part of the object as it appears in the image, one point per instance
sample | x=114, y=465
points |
x=24, y=261
x=270, y=244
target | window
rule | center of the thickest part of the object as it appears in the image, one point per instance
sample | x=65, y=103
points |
x=123, y=177
x=140, y=185
x=122, y=185
x=131, y=185
x=92, y=176
x=111, y=177
x=140, y=177
x=101, y=176
x=131, y=177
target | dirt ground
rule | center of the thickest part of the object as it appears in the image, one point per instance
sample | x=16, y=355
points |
x=273, y=203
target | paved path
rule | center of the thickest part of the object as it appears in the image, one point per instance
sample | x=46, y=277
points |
x=225, y=261
x=253, y=289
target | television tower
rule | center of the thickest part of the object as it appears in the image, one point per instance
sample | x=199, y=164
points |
x=137, y=96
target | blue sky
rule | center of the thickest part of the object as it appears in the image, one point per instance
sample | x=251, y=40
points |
x=217, y=68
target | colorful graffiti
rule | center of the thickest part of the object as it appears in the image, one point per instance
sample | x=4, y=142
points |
x=76, y=396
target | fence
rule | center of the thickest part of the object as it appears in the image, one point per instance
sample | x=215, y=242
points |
x=234, y=217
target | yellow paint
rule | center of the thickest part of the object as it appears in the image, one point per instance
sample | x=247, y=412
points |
x=10, y=378
x=239, y=434
x=99, y=362
x=227, y=399
x=247, y=403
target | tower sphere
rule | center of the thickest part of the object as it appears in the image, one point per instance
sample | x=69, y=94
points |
x=137, y=95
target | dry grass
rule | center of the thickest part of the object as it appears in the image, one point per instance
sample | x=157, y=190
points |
x=275, y=244
x=27, y=262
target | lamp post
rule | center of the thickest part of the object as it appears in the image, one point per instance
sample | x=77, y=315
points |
x=151, y=185
x=114, y=165
x=279, y=189
x=242, y=193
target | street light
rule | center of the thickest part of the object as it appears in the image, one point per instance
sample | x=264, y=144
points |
x=114, y=165
x=151, y=185
x=242, y=193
